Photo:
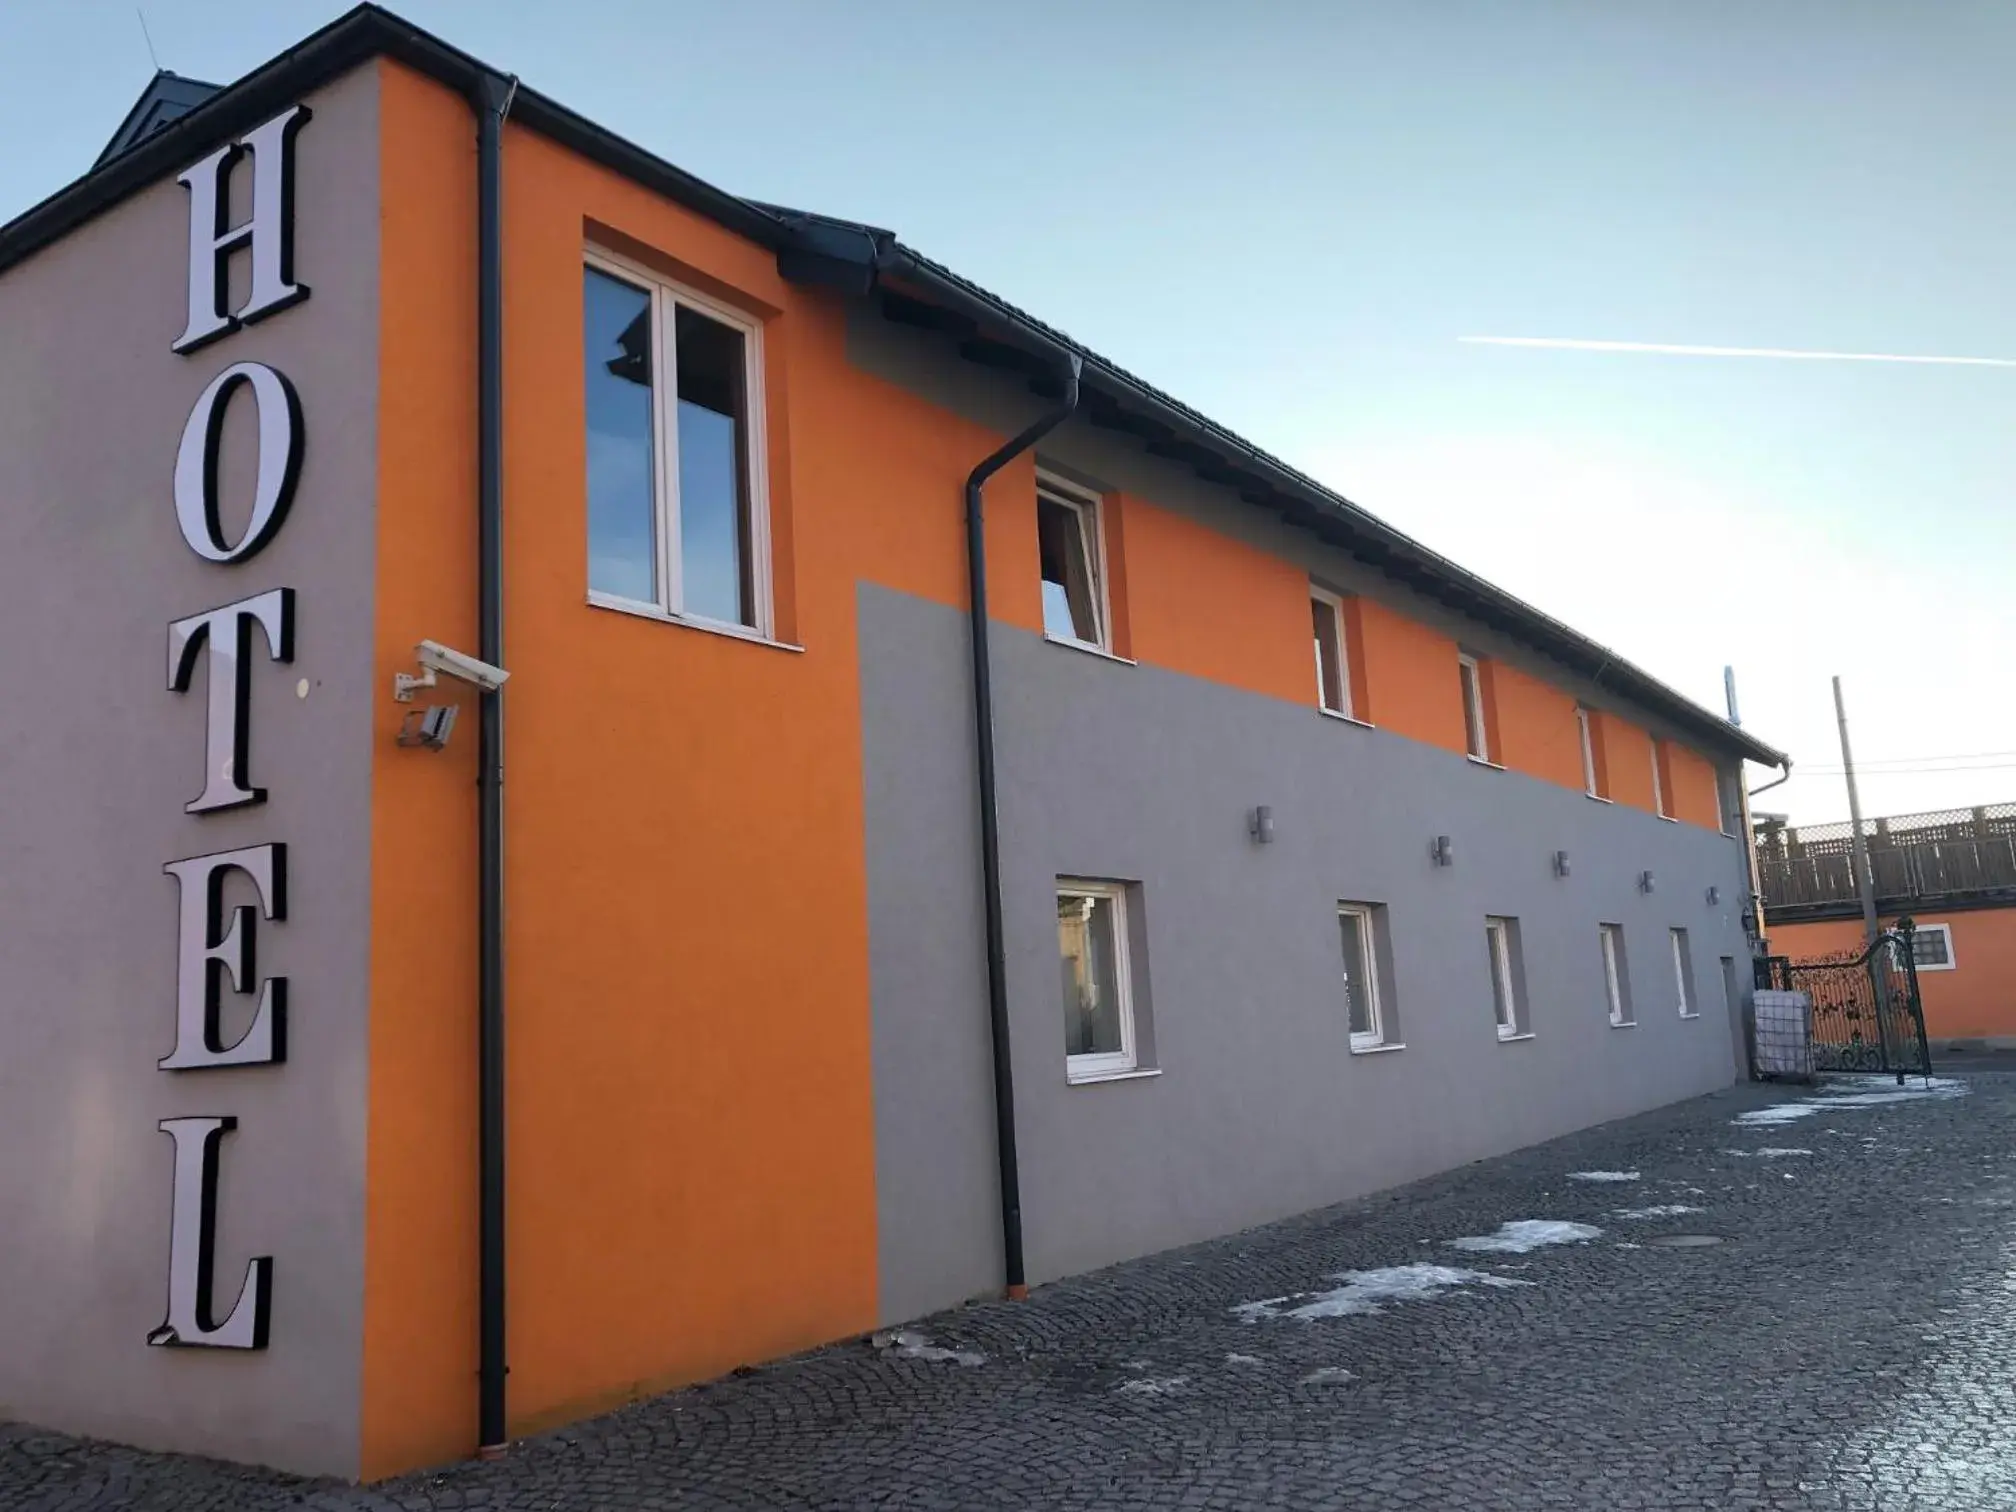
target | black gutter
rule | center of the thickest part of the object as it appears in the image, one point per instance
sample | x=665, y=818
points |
x=490, y=101
x=990, y=830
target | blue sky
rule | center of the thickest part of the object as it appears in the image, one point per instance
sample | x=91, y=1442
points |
x=1288, y=215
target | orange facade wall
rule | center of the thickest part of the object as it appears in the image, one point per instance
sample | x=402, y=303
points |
x=1974, y=1000
x=1628, y=758
x=1693, y=798
x=1212, y=607
x=1411, y=685
x=1537, y=733
x=419, y=1365
x=691, y=1162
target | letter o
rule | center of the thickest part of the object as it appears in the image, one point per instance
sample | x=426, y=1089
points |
x=280, y=438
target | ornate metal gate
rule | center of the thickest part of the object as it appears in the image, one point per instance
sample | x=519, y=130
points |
x=1866, y=1014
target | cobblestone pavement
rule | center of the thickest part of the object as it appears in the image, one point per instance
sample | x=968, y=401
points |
x=1849, y=1344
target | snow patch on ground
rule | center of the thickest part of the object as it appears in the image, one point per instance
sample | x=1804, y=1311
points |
x=1369, y=1291
x=1155, y=1385
x=1328, y=1375
x=1244, y=1359
x=1773, y=1116
x=1768, y=1152
x=908, y=1344
x=1854, y=1092
x=1658, y=1210
x=1602, y=1175
x=1525, y=1234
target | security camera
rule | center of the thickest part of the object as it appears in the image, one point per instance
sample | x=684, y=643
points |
x=435, y=658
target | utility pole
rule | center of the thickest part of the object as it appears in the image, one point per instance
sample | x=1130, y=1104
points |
x=1865, y=884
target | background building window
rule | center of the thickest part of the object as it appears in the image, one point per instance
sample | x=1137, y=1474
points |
x=1932, y=947
x=1333, y=672
x=1476, y=733
x=1616, y=974
x=675, y=504
x=1501, y=939
x=1368, y=1014
x=1069, y=544
x=1683, y=975
x=1098, y=1005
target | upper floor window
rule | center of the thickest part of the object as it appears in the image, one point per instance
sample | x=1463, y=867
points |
x=1476, y=734
x=1072, y=549
x=1729, y=800
x=1662, y=779
x=676, y=509
x=1593, y=778
x=1333, y=672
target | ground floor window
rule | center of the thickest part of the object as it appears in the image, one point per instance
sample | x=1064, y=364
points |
x=1683, y=975
x=1616, y=978
x=1098, y=999
x=1501, y=939
x=1369, y=1015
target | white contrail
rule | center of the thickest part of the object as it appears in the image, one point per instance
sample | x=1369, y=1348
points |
x=1568, y=343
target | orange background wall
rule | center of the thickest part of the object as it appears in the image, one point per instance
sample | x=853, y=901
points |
x=690, y=1116
x=1976, y=999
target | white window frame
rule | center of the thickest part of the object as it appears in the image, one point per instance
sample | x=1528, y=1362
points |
x=1124, y=1061
x=1368, y=952
x=1951, y=960
x=1498, y=940
x=1470, y=674
x=1335, y=604
x=1083, y=501
x=666, y=296
x=1583, y=717
x=1658, y=782
x=1614, y=968
x=1682, y=971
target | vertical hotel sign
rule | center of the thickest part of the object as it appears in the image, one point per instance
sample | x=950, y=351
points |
x=215, y=946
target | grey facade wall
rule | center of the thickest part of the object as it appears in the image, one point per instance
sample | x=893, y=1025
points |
x=1260, y=1110
x=99, y=760
x=1138, y=774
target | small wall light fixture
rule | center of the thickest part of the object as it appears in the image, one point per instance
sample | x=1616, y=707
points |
x=1260, y=825
x=1714, y=896
x=1560, y=863
x=1645, y=882
x=1441, y=851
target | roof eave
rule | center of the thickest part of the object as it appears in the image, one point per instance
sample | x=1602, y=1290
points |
x=355, y=38
x=1360, y=531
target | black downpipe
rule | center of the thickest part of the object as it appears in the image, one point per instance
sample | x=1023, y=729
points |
x=990, y=829
x=493, y=100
